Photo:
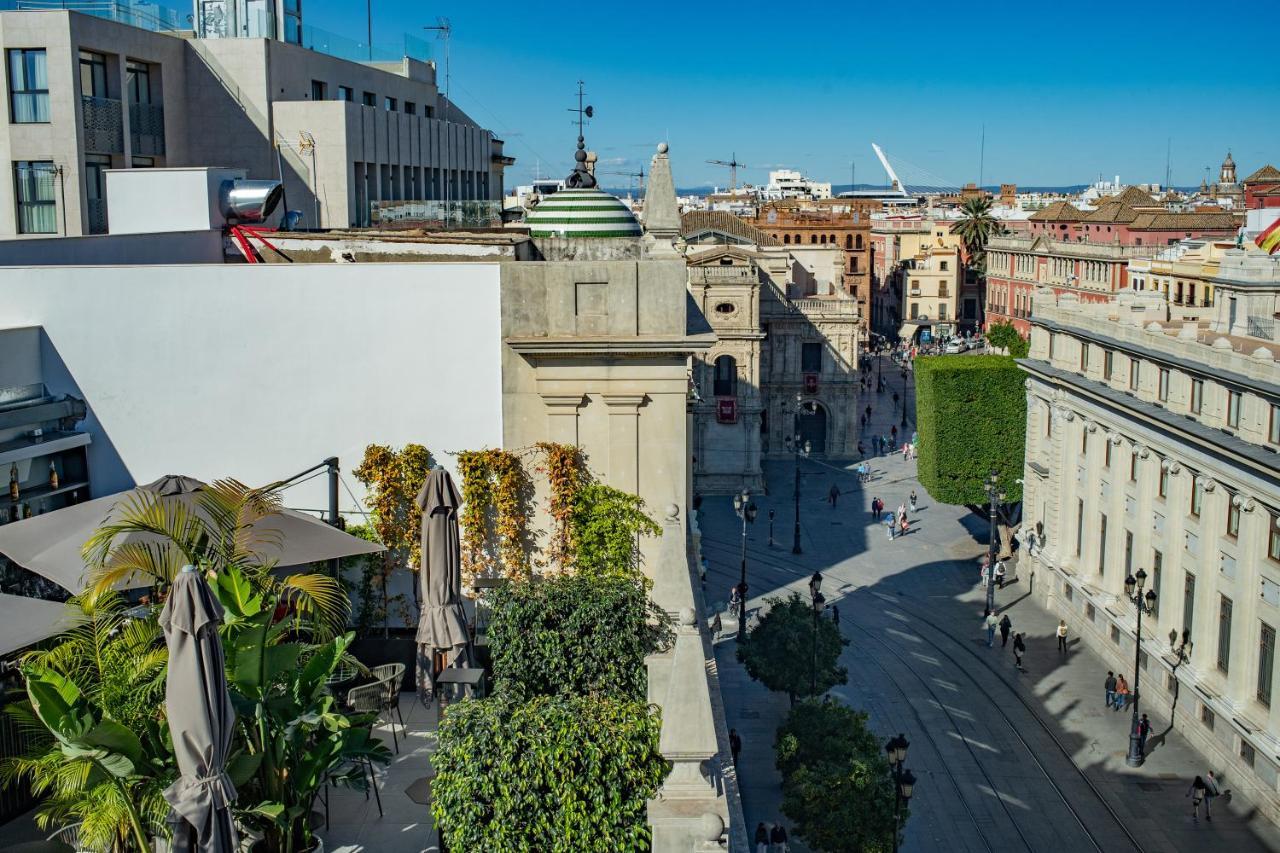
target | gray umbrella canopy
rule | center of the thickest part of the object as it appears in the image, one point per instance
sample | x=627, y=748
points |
x=201, y=719
x=443, y=623
x=50, y=544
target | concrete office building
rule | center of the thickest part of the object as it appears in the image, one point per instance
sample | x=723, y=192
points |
x=88, y=94
x=1152, y=444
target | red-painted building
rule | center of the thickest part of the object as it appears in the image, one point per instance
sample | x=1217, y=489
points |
x=1086, y=253
x=1262, y=188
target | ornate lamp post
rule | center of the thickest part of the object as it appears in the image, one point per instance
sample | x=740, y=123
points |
x=747, y=512
x=904, y=393
x=771, y=514
x=819, y=604
x=994, y=495
x=799, y=447
x=1144, y=603
x=904, y=781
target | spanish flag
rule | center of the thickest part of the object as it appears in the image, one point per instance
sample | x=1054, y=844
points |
x=1269, y=240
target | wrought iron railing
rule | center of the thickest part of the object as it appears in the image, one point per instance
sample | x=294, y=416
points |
x=146, y=129
x=103, y=125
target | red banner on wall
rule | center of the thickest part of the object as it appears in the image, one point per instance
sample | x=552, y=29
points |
x=811, y=383
x=727, y=410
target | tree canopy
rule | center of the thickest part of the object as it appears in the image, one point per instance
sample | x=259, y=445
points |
x=1006, y=337
x=788, y=650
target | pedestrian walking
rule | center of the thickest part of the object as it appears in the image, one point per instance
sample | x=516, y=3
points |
x=1110, y=685
x=1019, y=649
x=1197, y=793
x=762, y=838
x=1122, y=693
x=716, y=627
x=893, y=434
x=875, y=444
x=868, y=414
x=902, y=511
x=999, y=574
x=862, y=451
x=1144, y=729
x=913, y=500
x=735, y=747
x=1006, y=625
x=876, y=506
x=1211, y=792
x=990, y=622
x=904, y=526
x=833, y=495
x=778, y=838
x=889, y=524
x=835, y=615
x=1062, y=636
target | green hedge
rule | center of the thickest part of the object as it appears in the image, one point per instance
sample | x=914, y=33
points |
x=575, y=634
x=972, y=413
x=558, y=774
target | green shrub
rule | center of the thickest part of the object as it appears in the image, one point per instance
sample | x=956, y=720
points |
x=972, y=414
x=560, y=774
x=783, y=653
x=836, y=785
x=605, y=525
x=576, y=635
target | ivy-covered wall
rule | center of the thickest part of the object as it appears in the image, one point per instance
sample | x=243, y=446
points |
x=972, y=413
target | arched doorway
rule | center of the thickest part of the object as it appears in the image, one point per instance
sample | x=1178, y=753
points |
x=813, y=427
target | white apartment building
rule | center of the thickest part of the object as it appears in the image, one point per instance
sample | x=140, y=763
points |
x=1152, y=444
x=789, y=183
x=119, y=88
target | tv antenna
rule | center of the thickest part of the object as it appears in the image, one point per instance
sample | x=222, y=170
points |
x=444, y=32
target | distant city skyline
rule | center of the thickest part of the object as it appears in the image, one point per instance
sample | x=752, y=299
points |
x=1063, y=96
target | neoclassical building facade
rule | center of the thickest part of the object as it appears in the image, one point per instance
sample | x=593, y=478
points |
x=1152, y=444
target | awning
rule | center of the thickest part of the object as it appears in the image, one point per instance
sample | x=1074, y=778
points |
x=26, y=621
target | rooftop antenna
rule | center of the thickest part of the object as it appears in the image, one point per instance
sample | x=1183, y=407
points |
x=1168, y=149
x=444, y=32
x=982, y=155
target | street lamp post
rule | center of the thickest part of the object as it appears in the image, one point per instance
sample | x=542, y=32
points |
x=904, y=781
x=994, y=495
x=799, y=448
x=746, y=510
x=1144, y=604
x=771, y=514
x=904, y=394
x=819, y=603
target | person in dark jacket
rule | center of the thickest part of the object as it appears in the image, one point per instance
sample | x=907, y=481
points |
x=1019, y=649
x=735, y=746
x=1006, y=625
x=762, y=837
x=1198, y=794
x=1144, y=730
x=778, y=838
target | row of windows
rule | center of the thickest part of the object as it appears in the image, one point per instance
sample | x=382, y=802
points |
x=1164, y=378
x=29, y=82
x=724, y=382
x=320, y=92
x=851, y=242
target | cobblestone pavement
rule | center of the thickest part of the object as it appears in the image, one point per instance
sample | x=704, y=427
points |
x=1006, y=759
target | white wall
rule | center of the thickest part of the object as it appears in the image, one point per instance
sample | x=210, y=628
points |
x=260, y=371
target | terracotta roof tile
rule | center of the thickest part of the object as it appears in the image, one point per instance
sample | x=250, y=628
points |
x=1266, y=174
x=1059, y=211
x=696, y=221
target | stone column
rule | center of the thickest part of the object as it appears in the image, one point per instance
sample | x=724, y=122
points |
x=624, y=441
x=562, y=417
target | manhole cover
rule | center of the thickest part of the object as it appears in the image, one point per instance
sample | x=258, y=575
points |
x=1150, y=786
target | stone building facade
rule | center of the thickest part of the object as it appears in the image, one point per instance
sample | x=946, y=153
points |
x=785, y=357
x=1152, y=444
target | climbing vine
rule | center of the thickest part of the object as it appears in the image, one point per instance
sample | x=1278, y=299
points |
x=392, y=479
x=496, y=496
x=566, y=471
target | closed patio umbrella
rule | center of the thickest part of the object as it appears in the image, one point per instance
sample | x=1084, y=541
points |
x=201, y=719
x=442, y=623
x=50, y=544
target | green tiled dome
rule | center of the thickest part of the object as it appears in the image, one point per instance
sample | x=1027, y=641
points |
x=582, y=213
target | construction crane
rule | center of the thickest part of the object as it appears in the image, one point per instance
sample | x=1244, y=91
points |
x=734, y=166
x=631, y=178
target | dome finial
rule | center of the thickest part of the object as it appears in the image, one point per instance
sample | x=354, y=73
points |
x=581, y=177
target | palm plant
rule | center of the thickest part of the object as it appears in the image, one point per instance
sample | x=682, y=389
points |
x=976, y=226
x=154, y=536
x=100, y=744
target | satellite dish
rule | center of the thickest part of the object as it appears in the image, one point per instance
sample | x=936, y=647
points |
x=589, y=111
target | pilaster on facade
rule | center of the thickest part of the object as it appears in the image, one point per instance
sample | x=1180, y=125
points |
x=624, y=440
x=562, y=417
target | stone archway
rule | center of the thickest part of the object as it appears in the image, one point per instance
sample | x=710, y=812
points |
x=813, y=427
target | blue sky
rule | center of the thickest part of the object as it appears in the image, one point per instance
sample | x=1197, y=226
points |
x=1066, y=90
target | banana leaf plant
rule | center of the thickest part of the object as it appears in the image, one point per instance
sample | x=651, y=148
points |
x=294, y=737
x=100, y=748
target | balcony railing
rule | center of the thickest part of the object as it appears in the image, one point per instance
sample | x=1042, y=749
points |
x=97, y=210
x=435, y=214
x=144, y=15
x=146, y=129
x=103, y=121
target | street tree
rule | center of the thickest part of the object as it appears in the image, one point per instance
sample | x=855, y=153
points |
x=836, y=784
x=791, y=651
x=1006, y=337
